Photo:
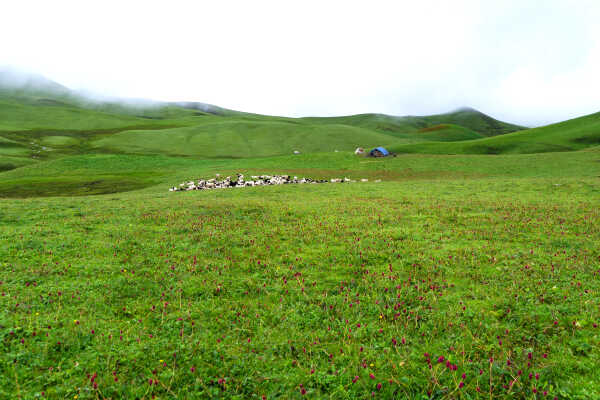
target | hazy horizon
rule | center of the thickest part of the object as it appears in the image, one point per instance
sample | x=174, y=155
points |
x=519, y=62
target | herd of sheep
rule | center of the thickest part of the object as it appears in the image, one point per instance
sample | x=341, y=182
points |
x=261, y=180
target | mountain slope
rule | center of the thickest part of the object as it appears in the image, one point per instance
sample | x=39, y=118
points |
x=476, y=121
x=40, y=120
x=400, y=126
x=446, y=133
x=238, y=138
x=574, y=134
x=29, y=101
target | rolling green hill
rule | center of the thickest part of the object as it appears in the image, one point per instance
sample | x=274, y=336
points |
x=42, y=120
x=447, y=133
x=34, y=102
x=401, y=126
x=474, y=120
x=21, y=115
x=240, y=139
x=571, y=135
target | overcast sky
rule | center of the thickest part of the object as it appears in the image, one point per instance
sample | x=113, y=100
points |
x=529, y=62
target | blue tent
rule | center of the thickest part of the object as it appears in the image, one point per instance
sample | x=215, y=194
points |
x=383, y=151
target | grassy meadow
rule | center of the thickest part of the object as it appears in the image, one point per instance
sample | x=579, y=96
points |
x=465, y=276
x=576, y=134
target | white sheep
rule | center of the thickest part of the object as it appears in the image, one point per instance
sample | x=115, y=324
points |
x=261, y=180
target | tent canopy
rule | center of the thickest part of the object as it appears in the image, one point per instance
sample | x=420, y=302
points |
x=382, y=150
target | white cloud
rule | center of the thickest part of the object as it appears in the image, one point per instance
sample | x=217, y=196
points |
x=524, y=61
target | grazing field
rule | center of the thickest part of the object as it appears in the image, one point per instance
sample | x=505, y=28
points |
x=467, y=118
x=50, y=121
x=242, y=138
x=469, y=273
x=455, y=277
x=575, y=134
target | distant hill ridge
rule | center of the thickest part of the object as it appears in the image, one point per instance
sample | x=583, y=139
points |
x=571, y=135
x=399, y=126
x=25, y=85
x=41, y=119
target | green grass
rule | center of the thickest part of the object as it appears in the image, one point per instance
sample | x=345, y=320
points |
x=18, y=116
x=50, y=122
x=447, y=133
x=7, y=142
x=241, y=139
x=468, y=118
x=73, y=129
x=36, y=179
x=87, y=175
x=59, y=141
x=575, y=134
x=113, y=287
x=475, y=121
x=253, y=287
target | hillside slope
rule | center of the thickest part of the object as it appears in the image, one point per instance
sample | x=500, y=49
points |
x=41, y=120
x=238, y=138
x=468, y=118
x=571, y=135
x=446, y=133
x=476, y=121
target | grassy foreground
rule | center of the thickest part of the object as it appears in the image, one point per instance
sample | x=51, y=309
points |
x=456, y=277
x=468, y=276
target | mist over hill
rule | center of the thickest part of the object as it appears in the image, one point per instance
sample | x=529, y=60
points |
x=27, y=84
x=12, y=79
x=41, y=119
